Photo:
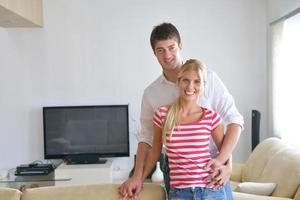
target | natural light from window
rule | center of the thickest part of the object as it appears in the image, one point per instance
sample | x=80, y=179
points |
x=286, y=80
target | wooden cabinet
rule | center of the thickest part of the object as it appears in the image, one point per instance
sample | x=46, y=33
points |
x=21, y=13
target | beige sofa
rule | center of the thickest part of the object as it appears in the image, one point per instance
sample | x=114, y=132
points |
x=272, y=161
x=84, y=192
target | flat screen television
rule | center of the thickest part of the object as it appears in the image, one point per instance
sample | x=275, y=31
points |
x=84, y=134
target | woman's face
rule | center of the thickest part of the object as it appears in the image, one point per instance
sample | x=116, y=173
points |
x=189, y=86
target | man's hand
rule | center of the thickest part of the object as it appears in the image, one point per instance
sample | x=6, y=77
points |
x=131, y=188
x=213, y=164
x=220, y=173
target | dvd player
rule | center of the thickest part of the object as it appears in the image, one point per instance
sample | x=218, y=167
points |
x=34, y=169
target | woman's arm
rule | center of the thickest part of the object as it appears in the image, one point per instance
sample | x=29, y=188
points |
x=218, y=135
x=154, y=152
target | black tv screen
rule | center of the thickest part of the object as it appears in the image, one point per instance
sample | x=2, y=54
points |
x=79, y=133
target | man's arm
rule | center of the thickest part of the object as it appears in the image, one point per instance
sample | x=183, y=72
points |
x=232, y=136
x=223, y=103
x=133, y=185
x=154, y=152
x=142, y=153
x=145, y=161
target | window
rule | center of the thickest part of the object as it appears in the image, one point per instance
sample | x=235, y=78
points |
x=286, y=78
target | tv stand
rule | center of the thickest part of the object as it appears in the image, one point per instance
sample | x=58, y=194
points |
x=68, y=162
x=84, y=173
x=83, y=159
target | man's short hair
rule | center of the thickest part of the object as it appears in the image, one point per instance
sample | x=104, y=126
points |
x=164, y=31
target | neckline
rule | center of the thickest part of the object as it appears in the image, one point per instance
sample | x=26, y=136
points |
x=196, y=121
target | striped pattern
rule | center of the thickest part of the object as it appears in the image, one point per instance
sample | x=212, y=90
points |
x=187, y=148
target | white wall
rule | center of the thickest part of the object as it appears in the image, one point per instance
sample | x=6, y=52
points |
x=98, y=52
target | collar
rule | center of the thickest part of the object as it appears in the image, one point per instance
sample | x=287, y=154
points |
x=163, y=79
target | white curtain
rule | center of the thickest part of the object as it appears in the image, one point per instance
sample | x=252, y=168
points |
x=286, y=79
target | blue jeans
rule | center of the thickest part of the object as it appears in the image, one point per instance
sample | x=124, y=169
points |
x=165, y=169
x=197, y=193
x=228, y=191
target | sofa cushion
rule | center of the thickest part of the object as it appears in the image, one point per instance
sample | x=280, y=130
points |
x=244, y=196
x=265, y=189
x=259, y=158
x=237, y=170
x=234, y=184
x=90, y=192
x=9, y=194
x=284, y=169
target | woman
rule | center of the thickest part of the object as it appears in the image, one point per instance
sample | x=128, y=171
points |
x=185, y=128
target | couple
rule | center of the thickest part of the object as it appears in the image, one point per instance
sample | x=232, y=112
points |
x=184, y=127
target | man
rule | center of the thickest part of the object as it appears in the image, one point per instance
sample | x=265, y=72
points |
x=166, y=44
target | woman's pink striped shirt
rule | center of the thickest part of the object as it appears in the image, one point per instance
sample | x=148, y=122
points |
x=187, y=148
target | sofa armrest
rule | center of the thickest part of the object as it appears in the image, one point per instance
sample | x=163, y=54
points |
x=297, y=196
x=236, y=174
x=9, y=194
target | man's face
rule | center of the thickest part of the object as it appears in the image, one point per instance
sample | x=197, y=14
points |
x=168, y=55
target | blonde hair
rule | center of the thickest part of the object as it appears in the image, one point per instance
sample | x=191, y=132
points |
x=172, y=117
